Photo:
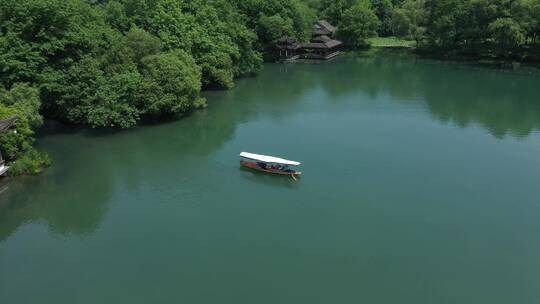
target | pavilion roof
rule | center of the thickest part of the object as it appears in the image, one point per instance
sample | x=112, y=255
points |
x=7, y=123
x=323, y=27
x=322, y=38
x=327, y=26
x=320, y=45
x=287, y=42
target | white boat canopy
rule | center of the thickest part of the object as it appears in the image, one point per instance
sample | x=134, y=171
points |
x=269, y=159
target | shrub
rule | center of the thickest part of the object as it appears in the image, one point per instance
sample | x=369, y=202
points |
x=31, y=162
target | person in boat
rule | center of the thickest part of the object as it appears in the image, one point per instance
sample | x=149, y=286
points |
x=284, y=168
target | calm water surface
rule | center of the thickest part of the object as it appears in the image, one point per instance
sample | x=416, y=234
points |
x=421, y=185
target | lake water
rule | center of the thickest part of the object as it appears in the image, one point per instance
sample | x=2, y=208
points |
x=421, y=185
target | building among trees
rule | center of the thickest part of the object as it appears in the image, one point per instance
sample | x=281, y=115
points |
x=321, y=47
x=5, y=124
x=289, y=48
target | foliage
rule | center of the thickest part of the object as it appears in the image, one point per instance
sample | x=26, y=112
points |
x=507, y=29
x=21, y=101
x=16, y=144
x=110, y=63
x=333, y=10
x=357, y=20
x=408, y=19
x=31, y=162
x=271, y=18
x=171, y=83
x=483, y=28
x=272, y=28
x=87, y=58
x=384, y=9
x=25, y=100
x=13, y=144
x=133, y=47
x=358, y=23
x=197, y=28
x=248, y=60
x=507, y=35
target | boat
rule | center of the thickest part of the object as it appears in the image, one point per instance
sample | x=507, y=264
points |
x=269, y=164
x=3, y=168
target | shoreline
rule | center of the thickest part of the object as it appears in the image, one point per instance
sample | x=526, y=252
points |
x=52, y=126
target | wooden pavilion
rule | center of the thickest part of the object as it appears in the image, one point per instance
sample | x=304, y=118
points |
x=321, y=47
x=288, y=48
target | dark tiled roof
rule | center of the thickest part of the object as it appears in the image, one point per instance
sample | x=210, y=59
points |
x=320, y=32
x=287, y=39
x=289, y=47
x=322, y=39
x=327, y=26
x=314, y=45
x=289, y=43
x=7, y=123
x=333, y=43
x=319, y=45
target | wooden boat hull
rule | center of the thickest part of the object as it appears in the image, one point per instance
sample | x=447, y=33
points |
x=254, y=166
x=3, y=169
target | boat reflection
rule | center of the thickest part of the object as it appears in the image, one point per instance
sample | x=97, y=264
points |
x=269, y=179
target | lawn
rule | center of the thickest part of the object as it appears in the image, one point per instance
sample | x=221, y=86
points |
x=391, y=42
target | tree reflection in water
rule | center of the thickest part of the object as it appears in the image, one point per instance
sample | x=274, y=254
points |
x=73, y=196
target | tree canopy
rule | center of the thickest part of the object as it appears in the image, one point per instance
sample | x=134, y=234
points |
x=495, y=29
x=111, y=63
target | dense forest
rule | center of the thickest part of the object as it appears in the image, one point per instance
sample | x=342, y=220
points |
x=111, y=63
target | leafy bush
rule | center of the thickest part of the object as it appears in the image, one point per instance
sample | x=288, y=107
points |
x=356, y=20
x=358, y=24
x=171, y=83
x=14, y=143
x=30, y=163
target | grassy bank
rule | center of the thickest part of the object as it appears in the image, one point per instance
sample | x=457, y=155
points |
x=381, y=42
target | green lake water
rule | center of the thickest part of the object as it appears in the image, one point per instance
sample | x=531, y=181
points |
x=421, y=185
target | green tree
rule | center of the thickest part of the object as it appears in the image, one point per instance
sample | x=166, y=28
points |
x=25, y=99
x=21, y=101
x=171, y=84
x=47, y=33
x=507, y=35
x=359, y=23
x=196, y=27
x=534, y=30
x=271, y=29
x=88, y=95
x=133, y=47
x=115, y=14
x=384, y=10
x=14, y=143
x=248, y=60
x=408, y=20
x=334, y=10
x=283, y=12
x=483, y=28
x=443, y=29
